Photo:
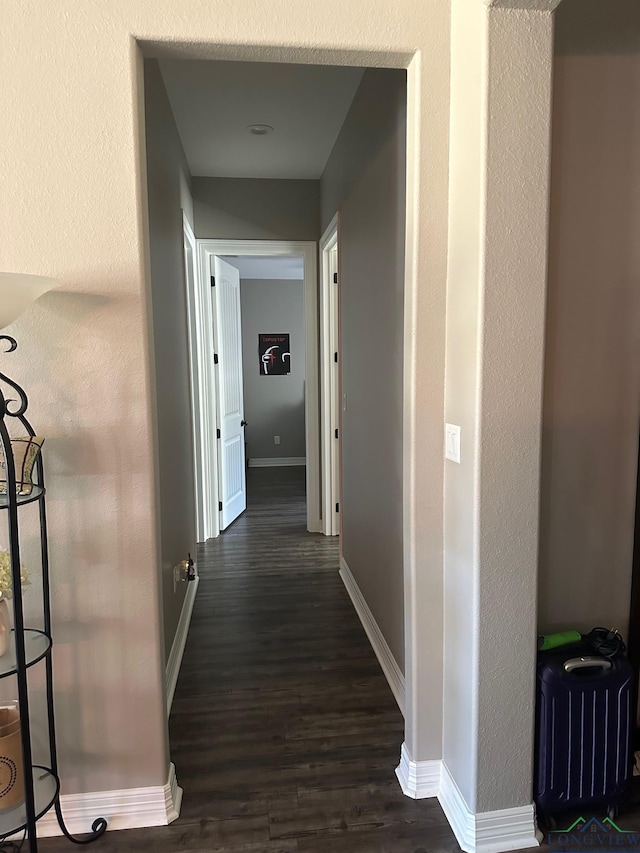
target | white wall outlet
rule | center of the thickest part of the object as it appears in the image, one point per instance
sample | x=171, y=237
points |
x=276, y=439
x=452, y=442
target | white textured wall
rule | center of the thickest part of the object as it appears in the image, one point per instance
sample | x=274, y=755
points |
x=463, y=360
x=500, y=108
x=513, y=330
x=73, y=206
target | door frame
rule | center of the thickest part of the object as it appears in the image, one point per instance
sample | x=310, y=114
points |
x=206, y=248
x=329, y=382
x=202, y=390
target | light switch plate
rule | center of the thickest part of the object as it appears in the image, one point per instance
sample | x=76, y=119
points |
x=452, y=442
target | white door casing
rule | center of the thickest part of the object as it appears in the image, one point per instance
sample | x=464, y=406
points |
x=232, y=483
x=334, y=391
x=207, y=249
x=330, y=379
x=202, y=386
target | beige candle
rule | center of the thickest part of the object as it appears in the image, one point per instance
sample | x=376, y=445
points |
x=11, y=767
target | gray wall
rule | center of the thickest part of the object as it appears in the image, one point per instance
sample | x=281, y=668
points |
x=365, y=179
x=168, y=185
x=253, y=209
x=591, y=403
x=273, y=405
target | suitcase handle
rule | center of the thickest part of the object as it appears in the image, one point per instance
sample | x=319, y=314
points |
x=587, y=663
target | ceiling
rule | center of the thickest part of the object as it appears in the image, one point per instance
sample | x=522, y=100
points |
x=214, y=102
x=279, y=267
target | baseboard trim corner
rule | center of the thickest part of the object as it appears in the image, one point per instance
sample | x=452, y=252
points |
x=486, y=832
x=172, y=795
x=179, y=641
x=277, y=462
x=418, y=779
x=130, y=808
x=390, y=668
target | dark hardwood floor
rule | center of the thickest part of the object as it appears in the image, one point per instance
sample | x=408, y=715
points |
x=284, y=732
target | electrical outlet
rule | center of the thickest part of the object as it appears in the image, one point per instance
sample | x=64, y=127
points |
x=276, y=439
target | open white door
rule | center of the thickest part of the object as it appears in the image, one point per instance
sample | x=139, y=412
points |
x=232, y=489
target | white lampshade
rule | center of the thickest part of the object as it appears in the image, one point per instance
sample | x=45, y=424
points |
x=18, y=291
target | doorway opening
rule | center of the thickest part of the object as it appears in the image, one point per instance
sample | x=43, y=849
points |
x=354, y=342
x=257, y=400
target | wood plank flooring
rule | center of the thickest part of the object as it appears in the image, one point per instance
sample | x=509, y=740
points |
x=300, y=733
x=284, y=732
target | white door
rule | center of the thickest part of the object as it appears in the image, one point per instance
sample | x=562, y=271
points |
x=232, y=490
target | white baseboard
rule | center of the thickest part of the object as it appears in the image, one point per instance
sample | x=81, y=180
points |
x=130, y=808
x=179, y=641
x=487, y=832
x=392, y=671
x=418, y=779
x=277, y=462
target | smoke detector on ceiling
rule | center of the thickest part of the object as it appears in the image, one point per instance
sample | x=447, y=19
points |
x=260, y=129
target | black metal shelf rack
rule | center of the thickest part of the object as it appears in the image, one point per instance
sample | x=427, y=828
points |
x=29, y=646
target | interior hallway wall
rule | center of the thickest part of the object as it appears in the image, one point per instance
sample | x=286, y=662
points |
x=73, y=206
x=365, y=180
x=592, y=379
x=273, y=405
x=169, y=193
x=256, y=209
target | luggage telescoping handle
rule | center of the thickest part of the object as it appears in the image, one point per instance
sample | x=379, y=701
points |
x=587, y=662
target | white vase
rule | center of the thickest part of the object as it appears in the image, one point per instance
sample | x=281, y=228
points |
x=5, y=625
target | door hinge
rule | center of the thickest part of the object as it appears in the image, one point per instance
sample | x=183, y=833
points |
x=335, y=357
x=218, y=433
x=337, y=507
x=336, y=432
x=219, y=506
x=335, y=278
x=213, y=281
x=215, y=358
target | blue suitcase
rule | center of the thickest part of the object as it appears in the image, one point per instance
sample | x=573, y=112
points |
x=584, y=726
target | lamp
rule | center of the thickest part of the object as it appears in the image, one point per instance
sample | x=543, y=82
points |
x=18, y=291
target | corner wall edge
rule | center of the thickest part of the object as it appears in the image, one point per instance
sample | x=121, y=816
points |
x=486, y=832
x=418, y=779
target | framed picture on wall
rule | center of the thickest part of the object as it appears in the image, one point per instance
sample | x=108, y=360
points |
x=274, y=355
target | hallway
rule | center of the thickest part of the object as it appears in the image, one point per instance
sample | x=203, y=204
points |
x=284, y=732
x=303, y=731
